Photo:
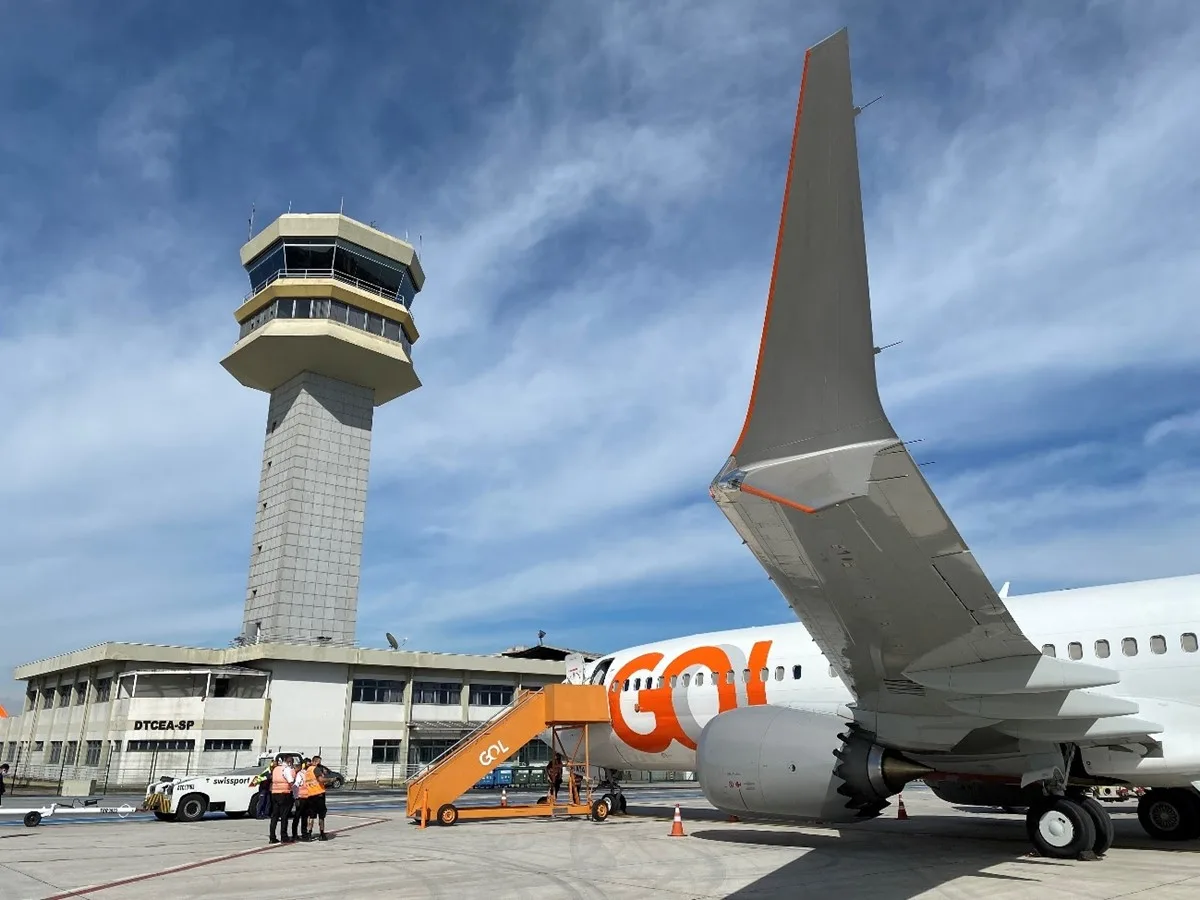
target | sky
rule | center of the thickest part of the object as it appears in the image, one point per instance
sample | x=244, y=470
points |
x=594, y=189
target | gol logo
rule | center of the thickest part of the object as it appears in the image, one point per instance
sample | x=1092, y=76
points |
x=661, y=701
x=492, y=753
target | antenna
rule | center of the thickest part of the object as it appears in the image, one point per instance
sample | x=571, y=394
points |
x=250, y=224
x=879, y=350
x=392, y=641
x=341, y=205
x=541, y=634
x=859, y=109
x=289, y=206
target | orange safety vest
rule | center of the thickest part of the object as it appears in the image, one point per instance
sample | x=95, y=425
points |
x=312, y=784
x=279, y=783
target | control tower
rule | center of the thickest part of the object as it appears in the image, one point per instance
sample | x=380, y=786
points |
x=326, y=331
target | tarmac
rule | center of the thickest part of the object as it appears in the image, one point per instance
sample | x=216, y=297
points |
x=939, y=851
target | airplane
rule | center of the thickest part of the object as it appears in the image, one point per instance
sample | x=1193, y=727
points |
x=906, y=663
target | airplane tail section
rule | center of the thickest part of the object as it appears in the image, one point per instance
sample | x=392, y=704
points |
x=814, y=386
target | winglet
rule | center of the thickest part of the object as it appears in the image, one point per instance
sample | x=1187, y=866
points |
x=1003, y=592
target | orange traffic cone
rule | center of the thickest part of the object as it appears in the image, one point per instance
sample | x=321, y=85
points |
x=504, y=796
x=677, y=825
x=734, y=819
x=901, y=812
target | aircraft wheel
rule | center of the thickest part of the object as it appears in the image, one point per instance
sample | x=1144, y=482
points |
x=600, y=809
x=1172, y=814
x=447, y=814
x=1103, y=823
x=1060, y=828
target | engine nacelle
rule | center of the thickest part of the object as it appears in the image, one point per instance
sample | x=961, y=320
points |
x=792, y=763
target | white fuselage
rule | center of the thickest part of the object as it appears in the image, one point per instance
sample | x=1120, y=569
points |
x=661, y=695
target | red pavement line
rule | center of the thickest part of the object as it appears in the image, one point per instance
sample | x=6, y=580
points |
x=84, y=892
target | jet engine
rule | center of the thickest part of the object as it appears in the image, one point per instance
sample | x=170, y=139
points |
x=791, y=763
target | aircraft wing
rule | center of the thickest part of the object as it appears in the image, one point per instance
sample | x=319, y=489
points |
x=830, y=501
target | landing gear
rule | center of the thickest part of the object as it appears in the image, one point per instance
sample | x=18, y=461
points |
x=1170, y=814
x=1068, y=828
x=611, y=792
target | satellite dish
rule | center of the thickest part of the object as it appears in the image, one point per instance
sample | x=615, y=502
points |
x=392, y=641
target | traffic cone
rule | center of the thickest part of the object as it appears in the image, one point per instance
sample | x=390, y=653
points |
x=677, y=825
x=733, y=818
x=901, y=812
x=504, y=796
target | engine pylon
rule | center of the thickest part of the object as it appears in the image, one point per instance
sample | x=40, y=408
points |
x=677, y=824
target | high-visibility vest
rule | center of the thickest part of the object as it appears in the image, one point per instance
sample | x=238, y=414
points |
x=302, y=783
x=312, y=783
x=279, y=782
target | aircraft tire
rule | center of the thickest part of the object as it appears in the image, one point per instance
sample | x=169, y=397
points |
x=1171, y=814
x=1105, y=832
x=1060, y=828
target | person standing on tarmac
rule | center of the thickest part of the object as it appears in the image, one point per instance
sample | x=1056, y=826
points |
x=263, y=782
x=314, y=806
x=300, y=792
x=283, y=777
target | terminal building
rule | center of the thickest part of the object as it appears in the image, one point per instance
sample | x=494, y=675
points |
x=328, y=332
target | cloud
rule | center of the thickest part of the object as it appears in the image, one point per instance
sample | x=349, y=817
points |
x=596, y=190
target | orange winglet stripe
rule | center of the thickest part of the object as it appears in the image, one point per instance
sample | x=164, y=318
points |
x=787, y=190
x=767, y=495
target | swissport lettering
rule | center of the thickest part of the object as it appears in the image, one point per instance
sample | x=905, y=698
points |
x=673, y=718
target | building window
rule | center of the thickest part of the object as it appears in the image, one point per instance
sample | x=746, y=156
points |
x=31, y=698
x=1188, y=642
x=422, y=751
x=492, y=695
x=93, y=753
x=387, y=751
x=374, y=690
x=1075, y=650
x=226, y=744
x=168, y=746
x=80, y=693
x=55, y=751
x=1102, y=649
x=103, y=689
x=39, y=746
x=1048, y=650
x=10, y=751
x=438, y=693
x=72, y=756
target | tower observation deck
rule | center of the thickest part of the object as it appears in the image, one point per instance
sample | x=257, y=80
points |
x=327, y=331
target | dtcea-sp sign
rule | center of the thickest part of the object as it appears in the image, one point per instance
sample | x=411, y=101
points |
x=163, y=725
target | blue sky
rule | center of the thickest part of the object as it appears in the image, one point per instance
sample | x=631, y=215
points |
x=597, y=188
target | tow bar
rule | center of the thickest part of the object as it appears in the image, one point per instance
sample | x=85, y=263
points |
x=33, y=817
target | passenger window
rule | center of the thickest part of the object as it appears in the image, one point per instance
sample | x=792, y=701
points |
x=729, y=677
x=1188, y=642
x=687, y=679
x=626, y=684
x=745, y=676
x=764, y=675
x=1047, y=650
x=674, y=681
x=699, y=679
x=637, y=684
x=660, y=682
x=796, y=673
x=1075, y=650
x=1102, y=649
x=616, y=687
x=1158, y=644
x=779, y=673
x=1129, y=646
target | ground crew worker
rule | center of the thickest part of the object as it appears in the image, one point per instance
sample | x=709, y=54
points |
x=554, y=770
x=314, y=780
x=283, y=777
x=299, y=799
x=263, y=782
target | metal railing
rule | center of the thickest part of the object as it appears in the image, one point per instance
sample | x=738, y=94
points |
x=461, y=744
x=366, y=286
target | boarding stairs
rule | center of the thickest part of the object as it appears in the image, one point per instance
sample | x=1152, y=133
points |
x=555, y=707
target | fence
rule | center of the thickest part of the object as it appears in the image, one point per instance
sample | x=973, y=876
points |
x=358, y=770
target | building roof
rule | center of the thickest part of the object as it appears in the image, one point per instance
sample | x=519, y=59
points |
x=545, y=651
x=209, y=657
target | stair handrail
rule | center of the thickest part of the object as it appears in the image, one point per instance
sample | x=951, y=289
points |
x=460, y=745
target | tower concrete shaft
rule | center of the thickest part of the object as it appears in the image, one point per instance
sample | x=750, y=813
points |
x=327, y=331
x=312, y=498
